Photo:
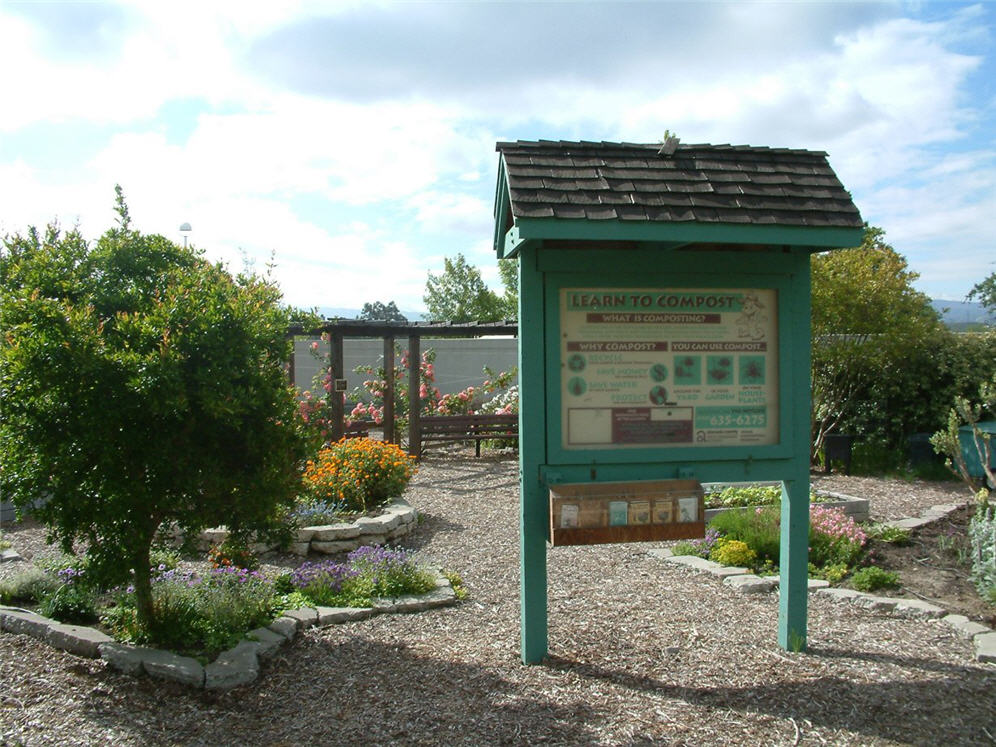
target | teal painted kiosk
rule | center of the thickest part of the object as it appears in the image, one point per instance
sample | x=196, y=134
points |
x=664, y=307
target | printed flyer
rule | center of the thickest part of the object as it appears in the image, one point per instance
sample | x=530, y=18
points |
x=668, y=367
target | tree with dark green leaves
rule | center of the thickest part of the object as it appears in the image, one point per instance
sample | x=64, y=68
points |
x=508, y=270
x=867, y=320
x=458, y=294
x=143, y=388
x=379, y=312
x=985, y=292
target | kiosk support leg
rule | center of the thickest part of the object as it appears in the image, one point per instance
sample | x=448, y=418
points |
x=794, y=564
x=533, y=570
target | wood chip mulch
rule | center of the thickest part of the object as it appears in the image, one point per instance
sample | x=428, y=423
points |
x=641, y=653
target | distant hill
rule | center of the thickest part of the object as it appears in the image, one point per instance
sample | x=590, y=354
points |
x=961, y=314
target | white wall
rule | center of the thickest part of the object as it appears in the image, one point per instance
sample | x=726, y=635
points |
x=459, y=362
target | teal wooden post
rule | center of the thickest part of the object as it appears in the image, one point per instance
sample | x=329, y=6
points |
x=794, y=561
x=534, y=506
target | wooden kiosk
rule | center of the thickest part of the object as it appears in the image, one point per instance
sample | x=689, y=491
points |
x=664, y=306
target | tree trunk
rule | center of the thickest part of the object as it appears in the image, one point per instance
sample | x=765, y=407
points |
x=143, y=588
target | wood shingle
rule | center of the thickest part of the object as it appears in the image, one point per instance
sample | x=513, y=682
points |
x=631, y=182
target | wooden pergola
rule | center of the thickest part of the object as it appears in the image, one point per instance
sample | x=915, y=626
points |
x=339, y=329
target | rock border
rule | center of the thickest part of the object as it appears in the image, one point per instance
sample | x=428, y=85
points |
x=235, y=667
x=396, y=519
x=983, y=637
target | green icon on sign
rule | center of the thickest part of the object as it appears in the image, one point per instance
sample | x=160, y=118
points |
x=688, y=370
x=576, y=362
x=752, y=369
x=577, y=386
x=658, y=372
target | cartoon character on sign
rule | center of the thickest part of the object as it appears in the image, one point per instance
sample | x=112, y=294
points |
x=750, y=323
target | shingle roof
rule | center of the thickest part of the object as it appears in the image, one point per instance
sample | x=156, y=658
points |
x=698, y=183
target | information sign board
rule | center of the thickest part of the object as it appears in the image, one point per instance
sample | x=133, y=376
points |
x=682, y=367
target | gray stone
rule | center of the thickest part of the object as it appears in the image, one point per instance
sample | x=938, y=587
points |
x=299, y=548
x=267, y=642
x=661, y=552
x=237, y=666
x=77, y=639
x=945, y=508
x=723, y=571
x=169, y=666
x=839, y=595
x=874, y=603
x=964, y=626
x=434, y=598
x=985, y=647
x=335, y=532
x=284, y=626
x=907, y=523
x=305, y=617
x=15, y=620
x=750, y=584
x=919, y=609
x=305, y=534
x=388, y=521
x=401, y=530
x=336, y=615
x=369, y=525
x=692, y=561
x=123, y=657
x=814, y=584
x=9, y=555
x=375, y=540
x=331, y=548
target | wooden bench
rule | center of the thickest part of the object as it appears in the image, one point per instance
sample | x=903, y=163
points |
x=477, y=428
x=356, y=429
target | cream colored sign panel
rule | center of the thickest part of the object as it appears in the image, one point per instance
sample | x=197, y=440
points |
x=668, y=367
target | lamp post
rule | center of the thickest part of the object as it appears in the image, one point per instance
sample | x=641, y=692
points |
x=185, y=229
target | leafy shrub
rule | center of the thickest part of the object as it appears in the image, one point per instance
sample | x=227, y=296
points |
x=200, y=615
x=834, y=572
x=71, y=603
x=745, y=495
x=733, y=552
x=873, y=578
x=758, y=529
x=359, y=473
x=456, y=583
x=4, y=544
x=700, y=547
x=29, y=586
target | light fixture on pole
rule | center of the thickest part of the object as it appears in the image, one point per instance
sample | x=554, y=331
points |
x=185, y=229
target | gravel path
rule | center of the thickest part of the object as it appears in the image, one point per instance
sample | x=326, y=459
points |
x=641, y=652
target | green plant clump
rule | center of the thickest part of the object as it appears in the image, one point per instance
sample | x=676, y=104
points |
x=758, y=529
x=873, y=578
x=888, y=533
x=30, y=586
x=734, y=553
x=368, y=572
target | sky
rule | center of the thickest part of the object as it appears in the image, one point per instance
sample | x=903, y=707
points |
x=352, y=144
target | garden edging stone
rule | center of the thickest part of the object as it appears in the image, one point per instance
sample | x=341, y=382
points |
x=236, y=666
x=395, y=521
